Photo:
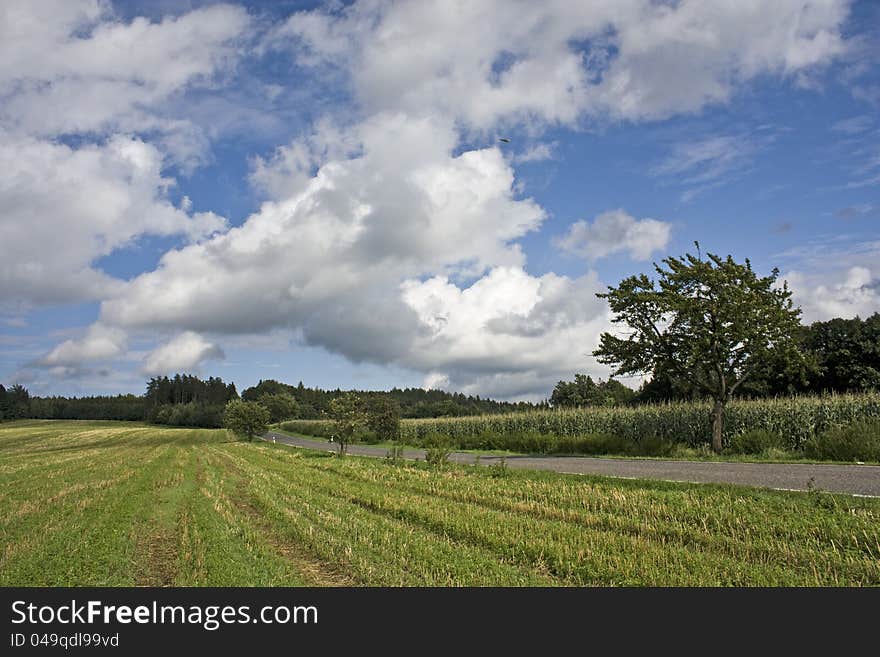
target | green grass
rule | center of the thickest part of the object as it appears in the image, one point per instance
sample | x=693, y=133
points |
x=126, y=504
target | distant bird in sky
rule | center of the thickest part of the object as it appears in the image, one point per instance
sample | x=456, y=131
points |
x=504, y=139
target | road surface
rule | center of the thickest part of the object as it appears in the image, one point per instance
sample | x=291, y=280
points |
x=861, y=480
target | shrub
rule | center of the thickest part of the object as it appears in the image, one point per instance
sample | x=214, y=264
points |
x=317, y=428
x=437, y=450
x=499, y=468
x=531, y=442
x=756, y=441
x=366, y=437
x=855, y=442
x=395, y=454
x=654, y=446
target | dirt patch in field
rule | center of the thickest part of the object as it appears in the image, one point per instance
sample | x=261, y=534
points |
x=157, y=557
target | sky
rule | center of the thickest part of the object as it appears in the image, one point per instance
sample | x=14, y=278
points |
x=388, y=194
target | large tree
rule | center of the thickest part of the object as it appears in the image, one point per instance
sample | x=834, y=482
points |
x=709, y=321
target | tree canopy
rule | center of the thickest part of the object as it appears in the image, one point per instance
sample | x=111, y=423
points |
x=583, y=391
x=710, y=321
x=281, y=406
x=349, y=416
x=246, y=419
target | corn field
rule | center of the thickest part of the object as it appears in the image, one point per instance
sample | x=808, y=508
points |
x=794, y=419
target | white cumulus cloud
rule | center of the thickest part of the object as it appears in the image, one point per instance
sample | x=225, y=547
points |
x=850, y=292
x=181, y=354
x=616, y=231
x=65, y=207
x=69, y=66
x=553, y=61
x=99, y=343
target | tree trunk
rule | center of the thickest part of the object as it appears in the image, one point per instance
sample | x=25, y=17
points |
x=717, y=425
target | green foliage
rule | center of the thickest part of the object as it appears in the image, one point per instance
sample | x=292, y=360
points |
x=383, y=418
x=118, y=407
x=583, y=391
x=795, y=419
x=710, y=322
x=349, y=418
x=647, y=430
x=281, y=406
x=755, y=441
x=314, y=403
x=185, y=389
x=395, y=454
x=499, y=468
x=855, y=442
x=848, y=353
x=316, y=428
x=437, y=450
x=246, y=419
x=15, y=403
x=192, y=414
x=186, y=400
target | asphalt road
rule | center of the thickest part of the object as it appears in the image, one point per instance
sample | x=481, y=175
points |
x=852, y=479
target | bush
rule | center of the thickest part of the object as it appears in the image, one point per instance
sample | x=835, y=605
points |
x=317, y=428
x=531, y=442
x=599, y=443
x=654, y=446
x=395, y=454
x=756, y=441
x=437, y=450
x=499, y=468
x=856, y=442
x=365, y=436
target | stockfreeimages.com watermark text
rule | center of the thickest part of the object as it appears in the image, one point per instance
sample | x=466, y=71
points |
x=210, y=617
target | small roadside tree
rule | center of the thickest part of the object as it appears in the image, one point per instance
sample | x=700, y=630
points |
x=349, y=417
x=245, y=419
x=710, y=322
x=383, y=417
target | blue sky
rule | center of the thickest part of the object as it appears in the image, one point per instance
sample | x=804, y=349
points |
x=318, y=191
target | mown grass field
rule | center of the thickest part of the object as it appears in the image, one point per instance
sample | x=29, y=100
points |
x=127, y=504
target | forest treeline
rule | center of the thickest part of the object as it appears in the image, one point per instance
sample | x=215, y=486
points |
x=314, y=403
x=186, y=400
x=843, y=355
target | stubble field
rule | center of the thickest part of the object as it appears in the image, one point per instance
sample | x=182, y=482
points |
x=119, y=504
